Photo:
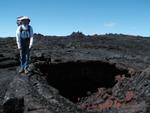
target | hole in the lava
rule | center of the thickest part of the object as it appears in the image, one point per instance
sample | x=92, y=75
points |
x=79, y=79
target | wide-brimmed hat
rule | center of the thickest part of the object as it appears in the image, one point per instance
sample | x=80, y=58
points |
x=23, y=18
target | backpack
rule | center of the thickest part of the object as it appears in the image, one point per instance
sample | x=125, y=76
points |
x=18, y=21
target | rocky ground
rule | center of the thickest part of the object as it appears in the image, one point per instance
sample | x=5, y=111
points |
x=77, y=74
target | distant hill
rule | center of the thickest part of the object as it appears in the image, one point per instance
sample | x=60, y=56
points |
x=81, y=35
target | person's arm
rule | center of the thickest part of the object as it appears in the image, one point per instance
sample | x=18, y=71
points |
x=31, y=37
x=18, y=38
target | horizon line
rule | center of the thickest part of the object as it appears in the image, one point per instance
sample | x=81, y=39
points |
x=83, y=34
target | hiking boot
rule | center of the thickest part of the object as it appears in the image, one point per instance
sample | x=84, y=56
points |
x=26, y=71
x=21, y=70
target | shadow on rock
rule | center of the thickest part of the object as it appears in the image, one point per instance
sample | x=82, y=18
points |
x=14, y=105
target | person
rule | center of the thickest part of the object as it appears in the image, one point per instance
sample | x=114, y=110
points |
x=24, y=39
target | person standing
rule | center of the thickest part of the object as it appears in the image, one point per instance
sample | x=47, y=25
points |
x=24, y=39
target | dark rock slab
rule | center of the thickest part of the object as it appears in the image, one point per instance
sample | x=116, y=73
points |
x=34, y=94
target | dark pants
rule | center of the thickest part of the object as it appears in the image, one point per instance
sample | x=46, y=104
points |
x=24, y=53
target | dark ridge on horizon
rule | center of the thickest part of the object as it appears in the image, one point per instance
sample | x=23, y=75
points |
x=78, y=33
x=82, y=35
